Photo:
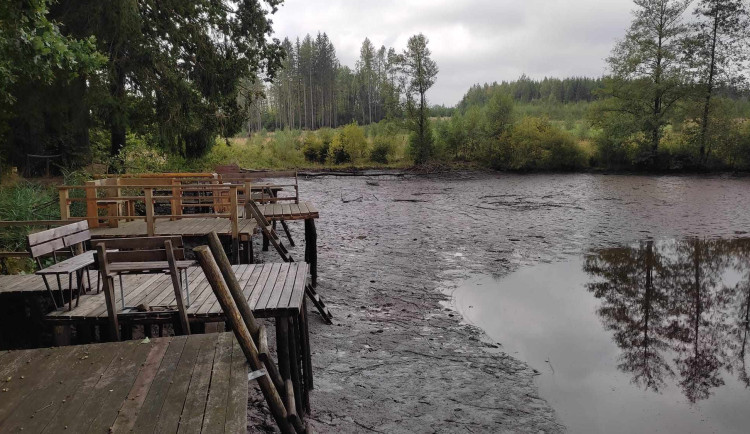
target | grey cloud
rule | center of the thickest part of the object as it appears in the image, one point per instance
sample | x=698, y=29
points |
x=472, y=41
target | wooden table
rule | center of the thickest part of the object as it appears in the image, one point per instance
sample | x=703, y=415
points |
x=273, y=290
x=194, y=383
x=296, y=211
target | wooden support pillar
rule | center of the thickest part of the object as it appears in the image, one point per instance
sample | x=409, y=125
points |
x=175, y=274
x=108, y=286
x=176, y=202
x=149, y=202
x=61, y=335
x=64, y=205
x=234, y=219
x=311, y=249
x=294, y=365
x=92, y=210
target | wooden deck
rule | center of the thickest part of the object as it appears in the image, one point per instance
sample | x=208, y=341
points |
x=188, y=227
x=20, y=283
x=194, y=383
x=272, y=289
x=289, y=211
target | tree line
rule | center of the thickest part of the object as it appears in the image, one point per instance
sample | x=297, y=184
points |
x=315, y=90
x=167, y=72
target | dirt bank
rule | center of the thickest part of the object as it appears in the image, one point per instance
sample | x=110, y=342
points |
x=397, y=360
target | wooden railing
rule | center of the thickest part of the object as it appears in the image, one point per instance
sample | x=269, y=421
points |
x=108, y=194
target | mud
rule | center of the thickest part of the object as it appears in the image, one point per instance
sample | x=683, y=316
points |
x=397, y=359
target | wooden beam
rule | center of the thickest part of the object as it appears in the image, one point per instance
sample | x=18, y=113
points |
x=219, y=287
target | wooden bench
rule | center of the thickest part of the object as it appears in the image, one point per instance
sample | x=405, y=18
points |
x=120, y=256
x=70, y=239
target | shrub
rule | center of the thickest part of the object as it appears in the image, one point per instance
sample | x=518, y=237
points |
x=314, y=149
x=382, y=149
x=353, y=140
x=535, y=144
x=337, y=153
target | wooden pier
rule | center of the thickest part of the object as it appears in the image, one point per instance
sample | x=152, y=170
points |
x=272, y=290
x=194, y=383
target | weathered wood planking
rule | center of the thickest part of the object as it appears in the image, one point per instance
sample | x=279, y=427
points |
x=293, y=211
x=24, y=283
x=181, y=384
x=194, y=227
x=271, y=289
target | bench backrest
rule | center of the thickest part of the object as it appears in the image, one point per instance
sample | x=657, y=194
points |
x=60, y=238
x=140, y=249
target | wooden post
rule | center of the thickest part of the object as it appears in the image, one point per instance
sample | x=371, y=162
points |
x=92, y=211
x=149, y=200
x=311, y=249
x=175, y=273
x=231, y=280
x=64, y=205
x=109, y=291
x=176, y=198
x=219, y=287
x=233, y=213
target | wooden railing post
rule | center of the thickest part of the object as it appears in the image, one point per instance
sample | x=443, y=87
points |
x=149, y=200
x=176, y=198
x=233, y=217
x=92, y=210
x=64, y=205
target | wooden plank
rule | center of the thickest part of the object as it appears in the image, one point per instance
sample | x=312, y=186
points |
x=26, y=377
x=311, y=208
x=128, y=413
x=257, y=290
x=174, y=402
x=67, y=412
x=195, y=402
x=40, y=407
x=295, y=301
x=236, y=413
x=155, y=399
x=216, y=408
x=286, y=293
x=100, y=411
x=268, y=287
x=286, y=211
x=278, y=287
x=244, y=274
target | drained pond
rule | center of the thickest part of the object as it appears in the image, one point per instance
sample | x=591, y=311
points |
x=589, y=280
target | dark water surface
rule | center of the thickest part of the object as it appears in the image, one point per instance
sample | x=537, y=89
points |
x=652, y=337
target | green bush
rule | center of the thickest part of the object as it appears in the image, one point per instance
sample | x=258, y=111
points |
x=535, y=144
x=349, y=144
x=314, y=149
x=354, y=141
x=337, y=153
x=382, y=149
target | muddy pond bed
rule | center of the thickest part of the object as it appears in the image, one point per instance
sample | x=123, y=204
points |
x=400, y=358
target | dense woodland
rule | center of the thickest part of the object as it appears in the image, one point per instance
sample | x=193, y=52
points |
x=147, y=85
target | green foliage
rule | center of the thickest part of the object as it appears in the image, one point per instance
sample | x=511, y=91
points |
x=337, y=153
x=349, y=144
x=499, y=114
x=535, y=144
x=382, y=149
x=314, y=149
x=25, y=201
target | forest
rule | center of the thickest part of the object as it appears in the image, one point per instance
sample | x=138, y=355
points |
x=130, y=89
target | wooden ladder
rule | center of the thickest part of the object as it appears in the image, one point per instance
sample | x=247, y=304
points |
x=273, y=237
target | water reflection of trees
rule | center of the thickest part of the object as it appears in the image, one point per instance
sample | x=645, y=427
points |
x=671, y=313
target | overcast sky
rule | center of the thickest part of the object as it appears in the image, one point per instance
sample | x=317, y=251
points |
x=472, y=41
